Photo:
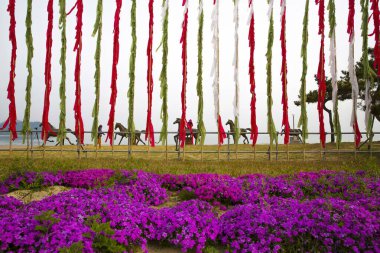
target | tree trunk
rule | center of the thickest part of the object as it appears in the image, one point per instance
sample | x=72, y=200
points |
x=331, y=122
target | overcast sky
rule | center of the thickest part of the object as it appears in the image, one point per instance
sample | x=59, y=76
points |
x=295, y=12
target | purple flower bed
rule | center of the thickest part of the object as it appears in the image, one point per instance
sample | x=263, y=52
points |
x=114, y=211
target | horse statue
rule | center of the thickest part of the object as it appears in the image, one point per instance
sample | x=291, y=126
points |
x=189, y=134
x=243, y=131
x=53, y=133
x=123, y=132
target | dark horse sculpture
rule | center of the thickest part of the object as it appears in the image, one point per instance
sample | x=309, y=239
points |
x=243, y=131
x=53, y=134
x=195, y=131
x=123, y=132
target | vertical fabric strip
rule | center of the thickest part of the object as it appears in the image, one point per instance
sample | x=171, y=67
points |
x=29, y=45
x=251, y=70
x=303, y=121
x=115, y=61
x=97, y=30
x=132, y=75
x=201, y=126
x=183, y=41
x=49, y=44
x=149, y=132
x=271, y=127
x=164, y=72
x=284, y=73
x=321, y=76
x=62, y=61
x=11, y=121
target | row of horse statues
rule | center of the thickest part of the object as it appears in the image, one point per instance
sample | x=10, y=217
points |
x=191, y=133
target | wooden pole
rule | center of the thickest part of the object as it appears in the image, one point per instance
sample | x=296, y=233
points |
x=10, y=143
x=166, y=148
x=27, y=144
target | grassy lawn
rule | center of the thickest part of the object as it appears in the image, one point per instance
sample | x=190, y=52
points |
x=229, y=163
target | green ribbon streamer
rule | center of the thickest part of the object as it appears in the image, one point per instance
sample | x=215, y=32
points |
x=29, y=44
x=332, y=22
x=97, y=30
x=164, y=77
x=271, y=127
x=62, y=88
x=201, y=125
x=365, y=61
x=132, y=76
x=303, y=121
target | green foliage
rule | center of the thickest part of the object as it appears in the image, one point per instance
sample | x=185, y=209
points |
x=102, y=233
x=132, y=75
x=97, y=30
x=76, y=247
x=201, y=125
x=29, y=44
x=186, y=195
x=46, y=220
x=303, y=121
x=62, y=61
x=210, y=249
x=271, y=127
x=164, y=77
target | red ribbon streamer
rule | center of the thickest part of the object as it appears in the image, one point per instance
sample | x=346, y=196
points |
x=251, y=39
x=115, y=61
x=49, y=42
x=284, y=71
x=350, y=31
x=12, y=118
x=149, y=132
x=79, y=129
x=222, y=133
x=376, y=32
x=321, y=76
x=351, y=21
x=182, y=125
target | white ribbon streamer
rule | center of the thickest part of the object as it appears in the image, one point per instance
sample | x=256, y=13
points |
x=270, y=10
x=165, y=7
x=332, y=64
x=283, y=6
x=215, y=65
x=250, y=15
x=236, y=60
x=353, y=79
x=200, y=8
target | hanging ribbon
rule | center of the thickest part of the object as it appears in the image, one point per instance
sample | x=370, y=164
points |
x=132, y=76
x=333, y=71
x=49, y=43
x=303, y=121
x=215, y=70
x=164, y=72
x=352, y=71
x=201, y=126
x=321, y=76
x=97, y=30
x=12, y=118
x=284, y=72
x=79, y=129
x=149, y=132
x=251, y=67
x=236, y=72
x=271, y=127
x=366, y=67
x=29, y=45
x=62, y=61
x=182, y=125
x=376, y=32
x=116, y=31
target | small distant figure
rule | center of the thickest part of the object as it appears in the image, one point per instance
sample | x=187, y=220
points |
x=100, y=133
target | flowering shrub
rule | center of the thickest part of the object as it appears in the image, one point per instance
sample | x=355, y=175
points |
x=115, y=211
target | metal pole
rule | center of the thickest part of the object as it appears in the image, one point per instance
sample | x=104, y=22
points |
x=166, y=148
x=31, y=144
x=27, y=144
x=228, y=145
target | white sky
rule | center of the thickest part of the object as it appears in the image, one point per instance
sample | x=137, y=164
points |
x=295, y=11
